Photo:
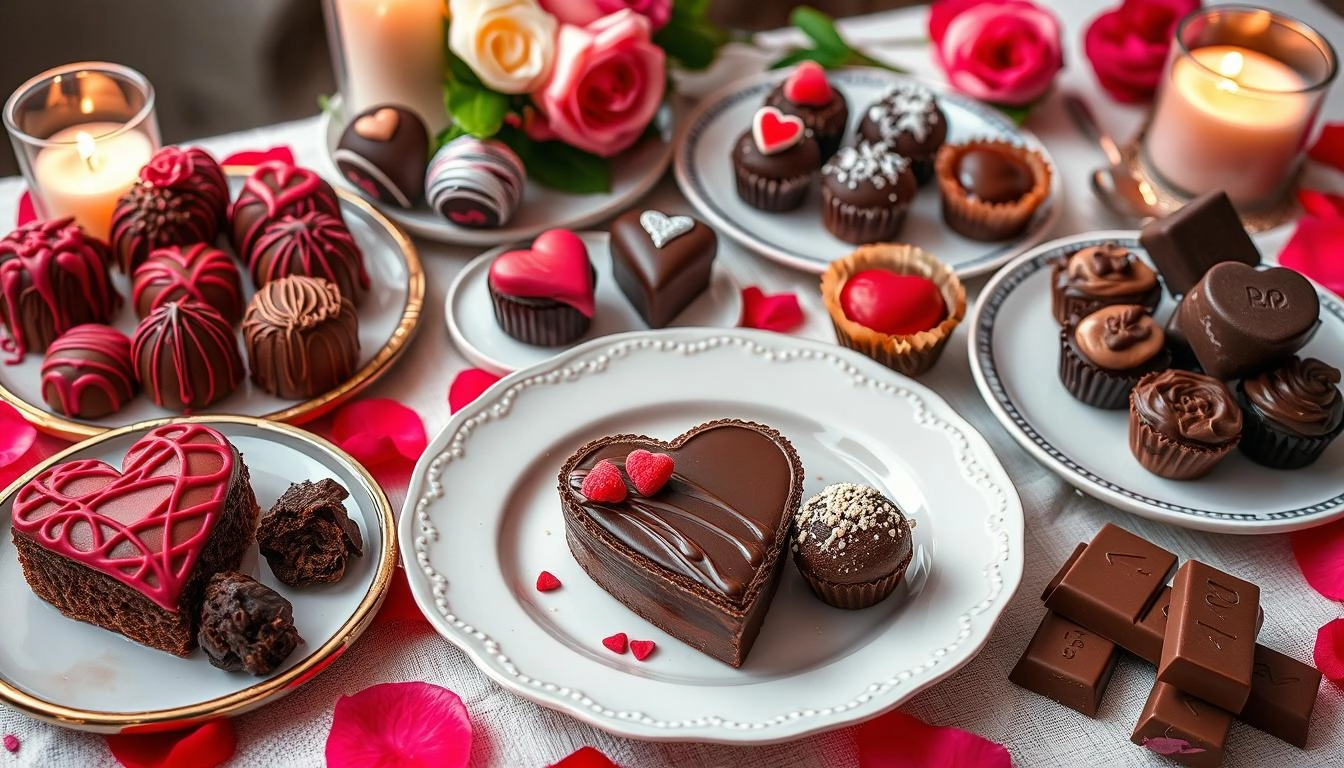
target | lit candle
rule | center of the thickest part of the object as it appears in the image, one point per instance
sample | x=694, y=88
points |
x=393, y=54
x=85, y=169
x=1229, y=118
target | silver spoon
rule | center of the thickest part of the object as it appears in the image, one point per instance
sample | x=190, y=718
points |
x=1114, y=185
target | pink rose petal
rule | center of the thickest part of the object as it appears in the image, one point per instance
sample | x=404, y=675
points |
x=400, y=724
x=1329, y=146
x=467, y=386
x=1316, y=249
x=1329, y=653
x=1322, y=205
x=585, y=757
x=774, y=312
x=1164, y=745
x=278, y=153
x=1320, y=554
x=27, y=213
x=898, y=740
x=16, y=435
x=205, y=746
x=11, y=743
x=379, y=431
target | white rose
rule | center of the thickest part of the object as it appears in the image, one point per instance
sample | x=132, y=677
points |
x=509, y=44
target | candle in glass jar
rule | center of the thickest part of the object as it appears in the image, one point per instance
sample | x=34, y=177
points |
x=85, y=169
x=1229, y=118
x=393, y=54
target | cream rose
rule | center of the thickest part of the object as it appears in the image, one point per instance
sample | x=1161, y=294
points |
x=509, y=44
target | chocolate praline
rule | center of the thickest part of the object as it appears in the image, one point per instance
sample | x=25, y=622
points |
x=276, y=189
x=661, y=263
x=245, y=625
x=88, y=372
x=312, y=245
x=307, y=537
x=302, y=337
x=852, y=545
x=1097, y=276
x=186, y=356
x=384, y=152
x=908, y=120
x=199, y=272
x=826, y=114
x=775, y=182
x=1291, y=413
x=1104, y=354
x=475, y=183
x=190, y=170
x=992, y=175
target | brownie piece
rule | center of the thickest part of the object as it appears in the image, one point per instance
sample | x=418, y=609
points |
x=183, y=486
x=246, y=625
x=307, y=537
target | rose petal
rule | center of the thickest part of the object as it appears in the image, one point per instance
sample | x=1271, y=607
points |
x=1322, y=205
x=898, y=740
x=942, y=12
x=1320, y=554
x=775, y=312
x=585, y=757
x=1329, y=146
x=379, y=431
x=205, y=746
x=16, y=435
x=399, y=724
x=399, y=605
x=467, y=386
x=1329, y=653
x=1316, y=249
x=27, y=213
x=280, y=153
x=11, y=743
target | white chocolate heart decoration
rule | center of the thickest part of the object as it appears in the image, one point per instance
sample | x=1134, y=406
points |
x=662, y=228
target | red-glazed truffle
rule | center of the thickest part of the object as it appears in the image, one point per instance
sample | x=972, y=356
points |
x=179, y=200
x=190, y=170
x=186, y=356
x=197, y=272
x=52, y=278
x=273, y=190
x=88, y=372
x=312, y=245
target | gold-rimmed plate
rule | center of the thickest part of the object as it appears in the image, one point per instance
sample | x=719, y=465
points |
x=80, y=676
x=389, y=313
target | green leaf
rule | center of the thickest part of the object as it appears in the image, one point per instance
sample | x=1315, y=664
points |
x=478, y=111
x=689, y=39
x=324, y=104
x=1017, y=114
x=560, y=166
x=458, y=70
x=820, y=28
x=826, y=59
x=453, y=131
x=858, y=58
x=693, y=8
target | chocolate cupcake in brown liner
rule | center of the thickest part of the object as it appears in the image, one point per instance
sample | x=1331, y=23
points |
x=1097, y=276
x=990, y=189
x=807, y=94
x=541, y=322
x=865, y=193
x=909, y=121
x=1104, y=355
x=1181, y=424
x=1290, y=414
x=540, y=296
x=852, y=545
x=911, y=354
x=774, y=162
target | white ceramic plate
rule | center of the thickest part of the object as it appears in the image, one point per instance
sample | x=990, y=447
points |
x=482, y=519
x=633, y=173
x=80, y=676
x=797, y=238
x=389, y=313
x=471, y=318
x=1014, y=350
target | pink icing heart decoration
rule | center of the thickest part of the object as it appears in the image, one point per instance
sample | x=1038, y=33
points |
x=379, y=126
x=775, y=131
x=556, y=267
x=471, y=218
x=807, y=85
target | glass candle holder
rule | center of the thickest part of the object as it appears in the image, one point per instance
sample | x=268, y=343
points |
x=1238, y=101
x=81, y=133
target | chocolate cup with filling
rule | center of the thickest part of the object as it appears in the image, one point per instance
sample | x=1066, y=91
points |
x=1181, y=424
x=1102, y=356
x=1097, y=276
x=990, y=189
x=778, y=182
x=1290, y=414
x=865, y=193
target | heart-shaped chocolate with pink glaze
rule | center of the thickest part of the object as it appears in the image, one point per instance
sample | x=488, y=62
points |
x=1239, y=320
x=555, y=267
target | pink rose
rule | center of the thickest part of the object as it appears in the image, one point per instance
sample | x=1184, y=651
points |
x=1003, y=51
x=581, y=13
x=1127, y=45
x=606, y=85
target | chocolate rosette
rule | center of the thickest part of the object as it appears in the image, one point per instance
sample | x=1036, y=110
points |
x=1291, y=413
x=1103, y=356
x=1181, y=424
x=1099, y=276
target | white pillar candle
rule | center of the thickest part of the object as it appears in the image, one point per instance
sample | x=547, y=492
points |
x=1229, y=118
x=393, y=54
x=86, y=170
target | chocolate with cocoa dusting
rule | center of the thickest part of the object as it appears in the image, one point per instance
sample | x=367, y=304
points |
x=246, y=625
x=307, y=537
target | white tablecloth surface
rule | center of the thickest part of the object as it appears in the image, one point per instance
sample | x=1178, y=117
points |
x=510, y=731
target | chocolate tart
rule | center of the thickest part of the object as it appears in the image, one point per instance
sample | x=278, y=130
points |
x=1290, y=414
x=990, y=189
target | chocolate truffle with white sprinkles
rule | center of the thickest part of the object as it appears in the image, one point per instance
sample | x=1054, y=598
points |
x=852, y=545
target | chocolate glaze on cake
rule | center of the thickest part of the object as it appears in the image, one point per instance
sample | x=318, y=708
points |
x=313, y=245
x=197, y=272
x=661, y=263
x=88, y=372
x=308, y=537
x=245, y=625
x=273, y=190
x=186, y=356
x=301, y=336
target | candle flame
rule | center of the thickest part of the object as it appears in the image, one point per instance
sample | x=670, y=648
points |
x=1230, y=66
x=86, y=105
x=87, y=150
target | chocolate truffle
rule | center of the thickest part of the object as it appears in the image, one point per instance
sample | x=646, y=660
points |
x=908, y=120
x=52, y=278
x=302, y=337
x=865, y=192
x=852, y=545
x=312, y=245
x=1290, y=413
x=199, y=272
x=661, y=263
x=273, y=190
x=1204, y=232
x=807, y=94
x=383, y=152
x=1099, y=275
x=1240, y=321
x=1181, y=424
x=88, y=373
x=774, y=161
x=194, y=171
x=307, y=537
x=245, y=625
x=186, y=356
x=475, y=183
x=990, y=188
x=180, y=199
x=1102, y=356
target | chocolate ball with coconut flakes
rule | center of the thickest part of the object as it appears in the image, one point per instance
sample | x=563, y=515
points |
x=852, y=544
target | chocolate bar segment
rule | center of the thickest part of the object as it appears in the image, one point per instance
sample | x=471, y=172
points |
x=1067, y=663
x=1063, y=569
x=1209, y=646
x=1182, y=728
x=1205, y=232
x=1283, y=695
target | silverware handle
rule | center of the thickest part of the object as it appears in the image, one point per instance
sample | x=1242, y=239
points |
x=1087, y=123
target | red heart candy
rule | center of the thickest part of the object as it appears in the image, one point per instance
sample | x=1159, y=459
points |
x=648, y=471
x=642, y=648
x=892, y=303
x=556, y=267
x=616, y=643
x=807, y=85
x=604, y=483
x=546, y=582
x=775, y=131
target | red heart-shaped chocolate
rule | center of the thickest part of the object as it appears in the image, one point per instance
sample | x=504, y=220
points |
x=773, y=131
x=555, y=267
x=144, y=525
x=807, y=85
x=1239, y=320
x=892, y=303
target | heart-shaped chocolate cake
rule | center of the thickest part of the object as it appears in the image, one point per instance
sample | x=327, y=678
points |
x=1239, y=320
x=699, y=557
x=130, y=549
x=661, y=263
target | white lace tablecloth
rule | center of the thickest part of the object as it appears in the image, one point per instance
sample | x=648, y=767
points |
x=510, y=731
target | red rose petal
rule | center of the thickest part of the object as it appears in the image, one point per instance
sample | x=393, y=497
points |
x=467, y=386
x=399, y=605
x=642, y=649
x=775, y=312
x=379, y=431
x=11, y=743
x=26, y=213
x=898, y=740
x=604, y=483
x=1322, y=205
x=1329, y=146
x=648, y=471
x=546, y=582
x=942, y=12
x=1320, y=554
x=1316, y=249
x=400, y=724
x=616, y=643
x=585, y=757
x=1329, y=653
x=205, y=746
x=17, y=437
x=279, y=153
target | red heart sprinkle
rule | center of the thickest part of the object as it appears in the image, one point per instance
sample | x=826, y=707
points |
x=808, y=85
x=774, y=131
x=604, y=483
x=616, y=643
x=648, y=471
x=642, y=648
x=546, y=582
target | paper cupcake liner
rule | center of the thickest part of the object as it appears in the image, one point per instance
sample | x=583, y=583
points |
x=856, y=224
x=910, y=354
x=542, y=322
x=978, y=219
x=1267, y=443
x=771, y=194
x=1167, y=458
x=853, y=597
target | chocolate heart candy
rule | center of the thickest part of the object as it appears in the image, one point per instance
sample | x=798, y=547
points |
x=384, y=152
x=661, y=263
x=1238, y=320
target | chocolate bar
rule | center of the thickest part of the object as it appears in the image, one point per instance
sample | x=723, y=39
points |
x=1067, y=663
x=1063, y=569
x=1182, y=728
x=1205, y=232
x=1209, y=646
